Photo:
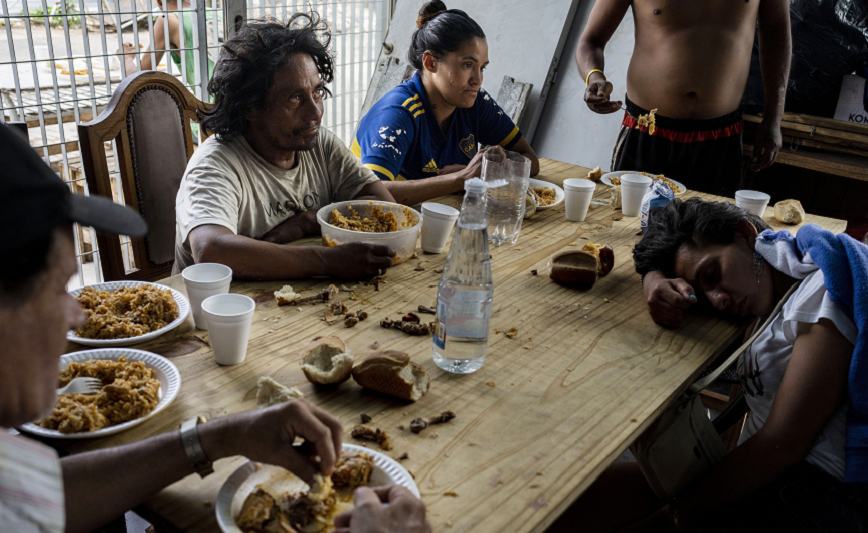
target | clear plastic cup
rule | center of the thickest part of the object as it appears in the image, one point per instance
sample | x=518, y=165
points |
x=752, y=201
x=578, y=193
x=633, y=188
x=437, y=223
x=229, y=318
x=202, y=281
x=505, y=205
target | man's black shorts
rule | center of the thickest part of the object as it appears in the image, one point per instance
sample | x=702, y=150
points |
x=704, y=155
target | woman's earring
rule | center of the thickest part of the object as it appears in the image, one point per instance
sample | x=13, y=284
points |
x=759, y=266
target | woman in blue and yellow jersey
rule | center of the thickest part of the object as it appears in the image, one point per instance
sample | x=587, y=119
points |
x=422, y=137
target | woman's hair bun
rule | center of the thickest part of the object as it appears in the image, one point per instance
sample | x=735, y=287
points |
x=428, y=12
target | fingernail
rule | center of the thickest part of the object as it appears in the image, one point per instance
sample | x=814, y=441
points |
x=692, y=296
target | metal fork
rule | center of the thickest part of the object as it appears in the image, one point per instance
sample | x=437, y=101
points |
x=82, y=386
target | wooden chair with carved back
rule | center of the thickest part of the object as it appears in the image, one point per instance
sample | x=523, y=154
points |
x=149, y=117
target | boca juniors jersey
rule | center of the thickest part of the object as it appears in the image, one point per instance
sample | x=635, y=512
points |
x=399, y=138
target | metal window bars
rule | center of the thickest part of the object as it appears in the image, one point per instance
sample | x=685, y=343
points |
x=60, y=63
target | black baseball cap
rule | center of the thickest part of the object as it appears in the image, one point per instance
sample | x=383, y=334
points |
x=34, y=200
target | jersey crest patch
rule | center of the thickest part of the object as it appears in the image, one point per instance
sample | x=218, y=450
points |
x=431, y=167
x=468, y=146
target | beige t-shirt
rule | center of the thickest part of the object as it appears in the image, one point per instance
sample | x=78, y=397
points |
x=230, y=185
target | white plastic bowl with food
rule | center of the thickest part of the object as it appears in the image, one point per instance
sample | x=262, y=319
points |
x=373, y=222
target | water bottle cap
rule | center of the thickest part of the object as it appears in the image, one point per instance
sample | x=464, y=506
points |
x=477, y=185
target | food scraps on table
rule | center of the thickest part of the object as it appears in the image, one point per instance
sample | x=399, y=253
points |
x=511, y=332
x=595, y=175
x=125, y=313
x=270, y=392
x=379, y=436
x=130, y=391
x=418, y=424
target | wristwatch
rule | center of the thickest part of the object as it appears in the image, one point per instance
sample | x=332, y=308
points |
x=193, y=447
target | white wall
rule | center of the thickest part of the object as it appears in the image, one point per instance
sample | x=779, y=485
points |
x=568, y=131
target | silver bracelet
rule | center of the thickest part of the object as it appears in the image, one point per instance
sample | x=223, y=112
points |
x=193, y=447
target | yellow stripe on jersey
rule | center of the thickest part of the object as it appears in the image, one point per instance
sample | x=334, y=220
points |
x=421, y=111
x=401, y=178
x=414, y=106
x=381, y=170
x=408, y=100
x=355, y=148
x=509, y=137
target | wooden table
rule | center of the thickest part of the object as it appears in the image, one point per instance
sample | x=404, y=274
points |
x=550, y=410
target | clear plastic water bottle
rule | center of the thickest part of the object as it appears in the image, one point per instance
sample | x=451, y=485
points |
x=465, y=292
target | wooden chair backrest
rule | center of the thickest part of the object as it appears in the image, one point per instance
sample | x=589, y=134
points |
x=149, y=117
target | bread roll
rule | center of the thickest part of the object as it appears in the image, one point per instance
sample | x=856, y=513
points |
x=605, y=257
x=573, y=267
x=595, y=175
x=326, y=362
x=270, y=392
x=392, y=372
x=789, y=211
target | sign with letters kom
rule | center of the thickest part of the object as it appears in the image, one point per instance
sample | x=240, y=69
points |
x=851, y=102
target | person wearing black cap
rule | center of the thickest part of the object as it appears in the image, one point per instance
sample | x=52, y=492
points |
x=39, y=492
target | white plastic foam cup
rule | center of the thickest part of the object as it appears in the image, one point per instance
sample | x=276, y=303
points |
x=229, y=318
x=752, y=201
x=578, y=193
x=437, y=223
x=633, y=189
x=202, y=281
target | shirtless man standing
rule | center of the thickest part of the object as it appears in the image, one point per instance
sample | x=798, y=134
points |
x=690, y=63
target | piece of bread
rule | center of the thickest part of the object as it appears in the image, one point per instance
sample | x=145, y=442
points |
x=615, y=200
x=595, y=175
x=270, y=392
x=286, y=295
x=573, y=267
x=392, y=372
x=605, y=257
x=326, y=361
x=789, y=211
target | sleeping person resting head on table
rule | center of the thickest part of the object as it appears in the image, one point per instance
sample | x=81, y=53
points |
x=803, y=378
x=422, y=137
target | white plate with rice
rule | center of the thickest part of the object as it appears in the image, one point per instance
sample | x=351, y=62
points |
x=559, y=193
x=111, y=286
x=164, y=370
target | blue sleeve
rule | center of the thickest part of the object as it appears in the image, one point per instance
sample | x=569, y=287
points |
x=495, y=126
x=383, y=138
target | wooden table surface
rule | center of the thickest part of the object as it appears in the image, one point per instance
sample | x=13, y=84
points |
x=550, y=410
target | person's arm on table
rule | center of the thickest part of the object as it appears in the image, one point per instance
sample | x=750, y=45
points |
x=103, y=484
x=812, y=390
x=775, y=53
x=411, y=192
x=252, y=259
x=605, y=17
x=403, y=512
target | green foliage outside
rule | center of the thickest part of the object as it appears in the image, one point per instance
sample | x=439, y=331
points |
x=54, y=17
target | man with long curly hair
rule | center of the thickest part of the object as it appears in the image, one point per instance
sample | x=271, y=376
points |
x=258, y=182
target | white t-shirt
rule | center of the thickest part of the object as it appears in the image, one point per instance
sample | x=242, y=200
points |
x=31, y=487
x=761, y=368
x=230, y=185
